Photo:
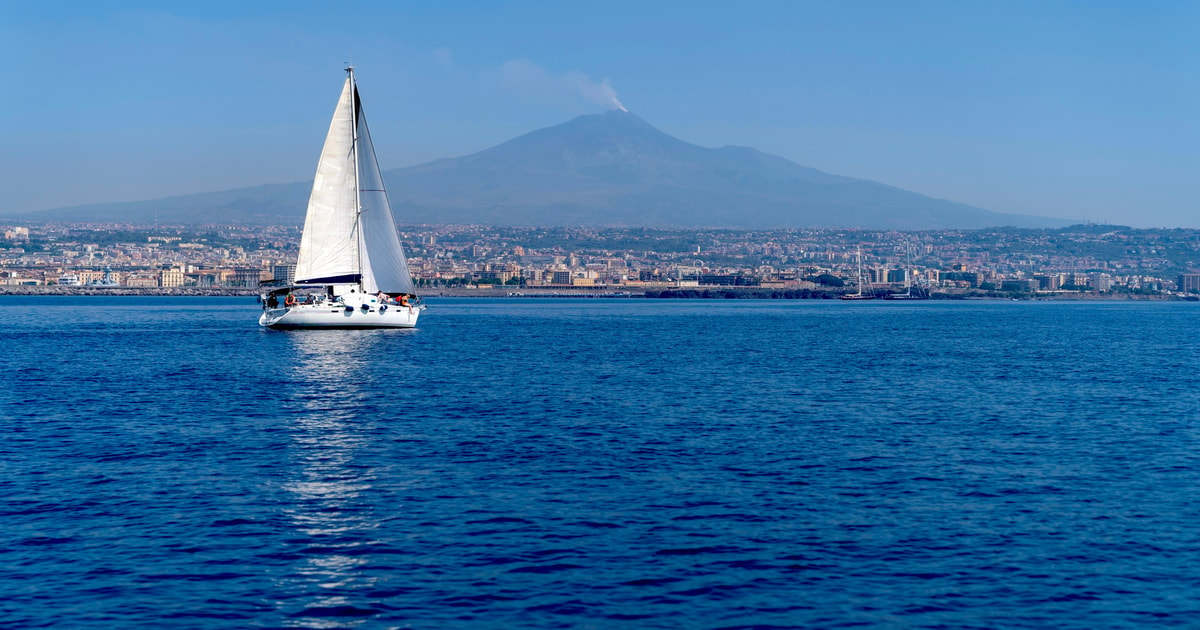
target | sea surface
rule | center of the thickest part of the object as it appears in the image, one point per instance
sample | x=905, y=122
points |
x=606, y=463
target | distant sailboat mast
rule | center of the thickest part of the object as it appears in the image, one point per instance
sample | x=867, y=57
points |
x=859, y=280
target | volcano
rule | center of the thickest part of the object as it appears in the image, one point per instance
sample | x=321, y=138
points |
x=615, y=169
x=610, y=169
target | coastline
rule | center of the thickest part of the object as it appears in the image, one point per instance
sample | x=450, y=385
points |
x=62, y=290
x=712, y=293
x=126, y=291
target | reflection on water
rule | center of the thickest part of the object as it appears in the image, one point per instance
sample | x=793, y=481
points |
x=330, y=513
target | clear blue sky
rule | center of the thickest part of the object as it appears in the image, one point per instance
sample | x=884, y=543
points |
x=1083, y=110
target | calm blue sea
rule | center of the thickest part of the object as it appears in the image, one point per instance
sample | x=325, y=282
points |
x=535, y=463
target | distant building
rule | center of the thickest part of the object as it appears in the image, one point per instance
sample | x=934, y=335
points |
x=141, y=281
x=1189, y=282
x=1049, y=282
x=12, y=278
x=1019, y=286
x=972, y=278
x=207, y=279
x=172, y=277
x=245, y=278
x=284, y=273
x=494, y=277
x=728, y=280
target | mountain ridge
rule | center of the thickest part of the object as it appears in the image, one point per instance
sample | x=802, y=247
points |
x=610, y=169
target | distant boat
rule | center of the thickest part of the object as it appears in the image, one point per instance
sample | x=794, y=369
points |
x=107, y=280
x=69, y=280
x=351, y=271
x=910, y=292
x=859, y=295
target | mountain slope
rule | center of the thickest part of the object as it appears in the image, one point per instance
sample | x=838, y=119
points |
x=604, y=169
x=616, y=169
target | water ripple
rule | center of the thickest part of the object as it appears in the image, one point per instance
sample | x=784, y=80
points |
x=593, y=464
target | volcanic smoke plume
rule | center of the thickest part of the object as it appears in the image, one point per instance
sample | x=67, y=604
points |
x=601, y=93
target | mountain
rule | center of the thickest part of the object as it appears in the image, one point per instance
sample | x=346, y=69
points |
x=611, y=169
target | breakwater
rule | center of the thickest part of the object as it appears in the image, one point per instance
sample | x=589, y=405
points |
x=132, y=291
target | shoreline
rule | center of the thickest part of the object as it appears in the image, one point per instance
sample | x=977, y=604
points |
x=57, y=290
x=710, y=293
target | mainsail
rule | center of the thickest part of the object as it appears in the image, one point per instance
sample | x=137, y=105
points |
x=349, y=233
x=384, y=266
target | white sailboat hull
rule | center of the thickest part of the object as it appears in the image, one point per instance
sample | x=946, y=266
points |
x=339, y=316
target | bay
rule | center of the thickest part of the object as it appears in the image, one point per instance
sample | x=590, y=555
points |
x=543, y=463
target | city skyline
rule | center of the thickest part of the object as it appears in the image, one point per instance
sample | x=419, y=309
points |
x=1049, y=109
x=1062, y=262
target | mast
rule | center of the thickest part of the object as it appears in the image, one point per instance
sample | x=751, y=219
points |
x=858, y=259
x=354, y=160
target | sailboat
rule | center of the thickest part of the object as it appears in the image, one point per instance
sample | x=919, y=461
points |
x=911, y=292
x=351, y=271
x=860, y=280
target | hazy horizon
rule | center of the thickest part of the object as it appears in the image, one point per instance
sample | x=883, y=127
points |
x=1061, y=110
